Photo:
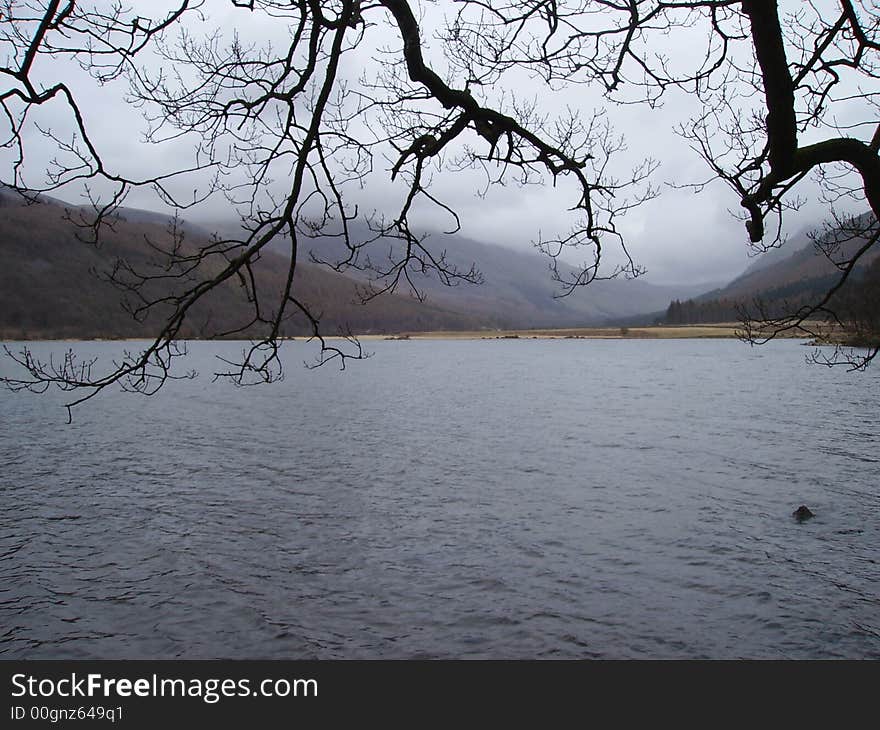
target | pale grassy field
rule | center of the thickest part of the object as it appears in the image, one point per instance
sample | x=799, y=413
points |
x=728, y=330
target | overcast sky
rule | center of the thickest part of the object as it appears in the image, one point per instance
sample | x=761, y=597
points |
x=680, y=237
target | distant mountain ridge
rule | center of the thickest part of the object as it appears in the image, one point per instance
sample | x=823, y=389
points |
x=47, y=290
x=50, y=285
x=775, y=255
x=794, y=276
x=517, y=290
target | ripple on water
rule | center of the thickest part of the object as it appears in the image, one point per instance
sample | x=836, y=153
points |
x=414, y=507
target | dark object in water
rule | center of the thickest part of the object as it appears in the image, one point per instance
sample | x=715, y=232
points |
x=802, y=513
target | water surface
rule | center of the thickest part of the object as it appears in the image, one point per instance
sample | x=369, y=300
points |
x=537, y=498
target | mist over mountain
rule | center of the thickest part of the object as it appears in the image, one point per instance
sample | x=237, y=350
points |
x=517, y=289
x=784, y=279
x=54, y=285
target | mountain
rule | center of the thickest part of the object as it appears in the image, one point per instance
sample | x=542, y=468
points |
x=517, y=291
x=794, y=276
x=804, y=264
x=778, y=254
x=51, y=285
x=521, y=282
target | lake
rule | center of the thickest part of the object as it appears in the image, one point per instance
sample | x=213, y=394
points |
x=451, y=499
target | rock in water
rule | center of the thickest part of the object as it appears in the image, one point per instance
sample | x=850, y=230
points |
x=802, y=513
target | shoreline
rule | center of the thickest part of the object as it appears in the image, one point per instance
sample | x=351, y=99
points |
x=727, y=330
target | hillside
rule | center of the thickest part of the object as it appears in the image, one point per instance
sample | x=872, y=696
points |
x=795, y=276
x=518, y=291
x=51, y=286
x=805, y=263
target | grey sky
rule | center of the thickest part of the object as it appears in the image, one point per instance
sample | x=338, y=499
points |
x=680, y=237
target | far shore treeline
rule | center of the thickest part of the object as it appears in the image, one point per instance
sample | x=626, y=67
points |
x=856, y=305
